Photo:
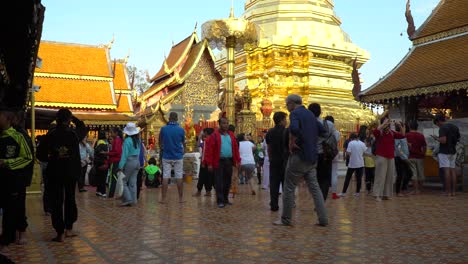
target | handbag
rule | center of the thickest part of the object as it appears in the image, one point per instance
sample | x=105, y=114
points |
x=119, y=186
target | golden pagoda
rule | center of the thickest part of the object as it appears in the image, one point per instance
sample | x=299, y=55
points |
x=301, y=50
x=84, y=79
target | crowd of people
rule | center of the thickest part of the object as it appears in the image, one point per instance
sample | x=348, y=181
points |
x=305, y=151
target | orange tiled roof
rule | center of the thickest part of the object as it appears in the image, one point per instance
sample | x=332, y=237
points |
x=427, y=68
x=120, y=77
x=177, y=51
x=125, y=105
x=449, y=14
x=75, y=59
x=80, y=93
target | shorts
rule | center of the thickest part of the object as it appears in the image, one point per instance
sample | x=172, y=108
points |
x=248, y=170
x=177, y=165
x=446, y=160
x=417, y=169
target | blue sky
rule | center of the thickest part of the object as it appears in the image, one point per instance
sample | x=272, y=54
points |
x=149, y=27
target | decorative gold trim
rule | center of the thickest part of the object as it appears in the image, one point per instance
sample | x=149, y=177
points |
x=72, y=76
x=73, y=105
x=104, y=122
x=441, y=35
x=415, y=92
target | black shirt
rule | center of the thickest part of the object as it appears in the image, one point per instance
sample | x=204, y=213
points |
x=276, y=145
x=451, y=132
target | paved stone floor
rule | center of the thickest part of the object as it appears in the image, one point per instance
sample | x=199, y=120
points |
x=429, y=228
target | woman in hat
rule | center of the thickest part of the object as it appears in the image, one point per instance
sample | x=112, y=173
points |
x=130, y=164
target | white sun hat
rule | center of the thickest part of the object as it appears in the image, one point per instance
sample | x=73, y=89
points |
x=131, y=129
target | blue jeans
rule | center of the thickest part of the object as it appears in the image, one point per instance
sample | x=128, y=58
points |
x=130, y=181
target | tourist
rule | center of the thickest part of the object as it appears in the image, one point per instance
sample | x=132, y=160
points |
x=100, y=163
x=172, y=142
x=15, y=155
x=324, y=165
x=417, y=152
x=246, y=150
x=259, y=158
x=449, y=135
x=115, y=153
x=355, y=151
x=141, y=161
x=221, y=154
x=86, y=153
x=369, y=165
x=236, y=176
x=130, y=164
x=61, y=149
x=304, y=130
x=334, y=168
x=277, y=157
x=152, y=174
x=384, y=161
x=206, y=178
x=402, y=168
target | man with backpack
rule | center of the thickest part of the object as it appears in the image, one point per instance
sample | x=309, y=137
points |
x=327, y=150
x=449, y=135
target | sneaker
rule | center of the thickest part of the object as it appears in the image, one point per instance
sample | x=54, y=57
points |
x=356, y=194
x=335, y=196
x=220, y=205
x=280, y=223
x=342, y=195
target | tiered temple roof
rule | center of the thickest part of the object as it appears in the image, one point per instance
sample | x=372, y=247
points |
x=84, y=79
x=437, y=61
x=176, y=68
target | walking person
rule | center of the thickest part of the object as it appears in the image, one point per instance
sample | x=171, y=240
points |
x=335, y=161
x=172, y=144
x=246, y=152
x=356, y=149
x=15, y=156
x=369, y=165
x=221, y=154
x=101, y=164
x=130, y=164
x=324, y=164
x=277, y=157
x=206, y=177
x=115, y=153
x=417, y=152
x=449, y=135
x=86, y=153
x=61, y=149
x=384, y=161
x=304, y=130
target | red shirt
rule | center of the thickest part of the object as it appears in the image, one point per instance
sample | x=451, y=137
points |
x=386, y=143
x=116, y=152
x=213, y=150
x=417, y=145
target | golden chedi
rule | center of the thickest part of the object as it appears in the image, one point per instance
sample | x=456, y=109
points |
x=303, y=50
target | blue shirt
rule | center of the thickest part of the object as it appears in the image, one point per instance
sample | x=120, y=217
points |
x=172, y=138
x=304, y=126
x=129, y=150
x=226, y=146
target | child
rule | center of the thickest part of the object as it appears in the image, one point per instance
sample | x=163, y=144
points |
x=153, y=174
x=369, y=164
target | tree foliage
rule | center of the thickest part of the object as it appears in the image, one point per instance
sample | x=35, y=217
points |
x=137, y=79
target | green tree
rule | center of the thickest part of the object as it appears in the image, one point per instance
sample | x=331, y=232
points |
x=137, y=79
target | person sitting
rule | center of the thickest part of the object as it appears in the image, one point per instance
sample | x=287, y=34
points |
x=153, y=174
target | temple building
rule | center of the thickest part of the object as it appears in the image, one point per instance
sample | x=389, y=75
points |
x=432, y=78
x=301, y=49
x=187, y=83
x=84, y=79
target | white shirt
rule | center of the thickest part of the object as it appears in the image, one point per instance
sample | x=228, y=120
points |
x=246, y=152
x=357, y=149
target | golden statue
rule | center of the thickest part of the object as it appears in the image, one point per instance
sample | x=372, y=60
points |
x=190, y=132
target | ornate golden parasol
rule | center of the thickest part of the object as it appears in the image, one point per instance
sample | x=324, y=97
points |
x=231, y=33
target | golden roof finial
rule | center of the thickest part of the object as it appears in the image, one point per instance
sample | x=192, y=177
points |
x=109, y=45
x=126, y=57
x=166, y=67
x=231, y=14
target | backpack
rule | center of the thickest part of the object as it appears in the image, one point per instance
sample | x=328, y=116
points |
x=460, y=155
x=329, y=145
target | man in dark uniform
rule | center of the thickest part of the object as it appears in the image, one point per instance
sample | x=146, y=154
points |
x=15, y=155
x=60, y=148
